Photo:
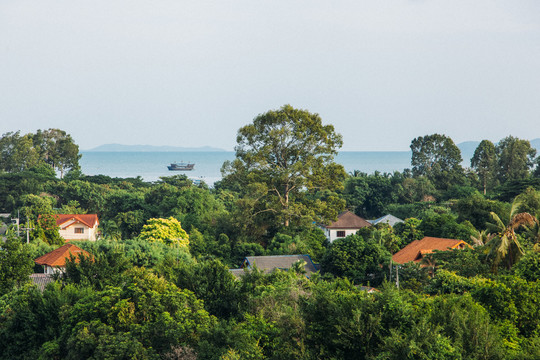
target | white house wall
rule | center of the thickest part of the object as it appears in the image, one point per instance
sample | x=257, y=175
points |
x=69, y=232
x=331, y=234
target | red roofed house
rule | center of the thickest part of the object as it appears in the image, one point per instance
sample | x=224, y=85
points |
x=346, y=224
x=77, y=226
x=55, y=261
x=416, y=250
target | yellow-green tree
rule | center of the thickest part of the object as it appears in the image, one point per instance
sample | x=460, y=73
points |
x=168, y=231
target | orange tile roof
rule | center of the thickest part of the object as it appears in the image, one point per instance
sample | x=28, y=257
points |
x=348, y=220
x=59, y=256
x=416, y=250
x=89, y=220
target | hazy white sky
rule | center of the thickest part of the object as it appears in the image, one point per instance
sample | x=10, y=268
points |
x=190, y=73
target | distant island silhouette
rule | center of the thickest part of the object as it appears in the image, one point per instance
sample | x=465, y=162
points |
x=467, y=148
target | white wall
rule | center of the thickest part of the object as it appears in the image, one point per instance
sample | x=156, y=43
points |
x=69, y=232
x=52, y=270
x=331, y=234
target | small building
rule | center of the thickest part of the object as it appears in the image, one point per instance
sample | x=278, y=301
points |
x=77, y=226
x=386, y=219
x=55, y=261
x=368, y=289
x=272, y=262
x=346, y=224
x=416, y=250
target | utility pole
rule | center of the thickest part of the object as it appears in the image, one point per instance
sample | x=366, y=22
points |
x=27, y=228
x=397, y=276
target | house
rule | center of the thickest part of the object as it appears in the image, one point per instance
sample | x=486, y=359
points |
x=346, y=224
x=368, y=289
x=416, y=250
x=273, y=262
x=77, y=226
x=55, y=261
x=386, y=219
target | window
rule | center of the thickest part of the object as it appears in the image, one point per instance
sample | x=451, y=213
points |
x=341, y=233
x=79, y=230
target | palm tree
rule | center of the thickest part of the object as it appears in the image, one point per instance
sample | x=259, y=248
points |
x=505, y=244
x=430, y=263
x=481, y=238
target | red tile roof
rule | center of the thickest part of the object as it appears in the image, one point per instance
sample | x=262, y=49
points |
x=89, y=220
x=348, y=220
x=58, y=257
x=416, y=250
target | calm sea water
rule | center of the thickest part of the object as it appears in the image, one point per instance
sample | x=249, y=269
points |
x=152, y=165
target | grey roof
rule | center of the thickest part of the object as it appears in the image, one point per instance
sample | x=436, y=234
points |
x=388, y=219
x=41, y=280
x=237, y=272
x=272, y=262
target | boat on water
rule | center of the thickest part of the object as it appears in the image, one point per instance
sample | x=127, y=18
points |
x=181, y=166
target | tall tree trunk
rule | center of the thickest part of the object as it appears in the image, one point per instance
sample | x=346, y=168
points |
x=287, y=206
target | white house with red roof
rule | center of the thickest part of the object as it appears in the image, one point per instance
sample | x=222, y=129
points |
x=346, y=224
x=77, y=226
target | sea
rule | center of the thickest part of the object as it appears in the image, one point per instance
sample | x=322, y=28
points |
x=150, y=166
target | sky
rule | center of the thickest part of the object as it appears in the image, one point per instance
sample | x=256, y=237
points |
x=191, y=73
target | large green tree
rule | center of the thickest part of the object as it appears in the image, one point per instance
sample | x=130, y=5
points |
x=15, y=264
x=17, y=152
x=57, y=149
x=53, y=147
x=369, y=194
x=358, y=259
x=437, y=157
x=516, y=158
x=484, y=162
x=283, y=159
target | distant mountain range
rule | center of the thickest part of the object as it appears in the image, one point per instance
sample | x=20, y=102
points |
x=150, y=148
x=467, y=148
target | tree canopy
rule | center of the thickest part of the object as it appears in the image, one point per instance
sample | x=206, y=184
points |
x=168, y=231
x=515, y=157
x=53, y=147
x=437, y=157
x=484, y=162
x=283, y=159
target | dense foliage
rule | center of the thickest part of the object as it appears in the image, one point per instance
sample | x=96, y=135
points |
x=158, y=286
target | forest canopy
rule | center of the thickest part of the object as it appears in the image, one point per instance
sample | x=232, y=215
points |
x=158, y=282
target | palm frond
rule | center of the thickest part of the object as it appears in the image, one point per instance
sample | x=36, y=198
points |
x=515, y=207
x=481, y=238
x=497, y=225
x=522, y=219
